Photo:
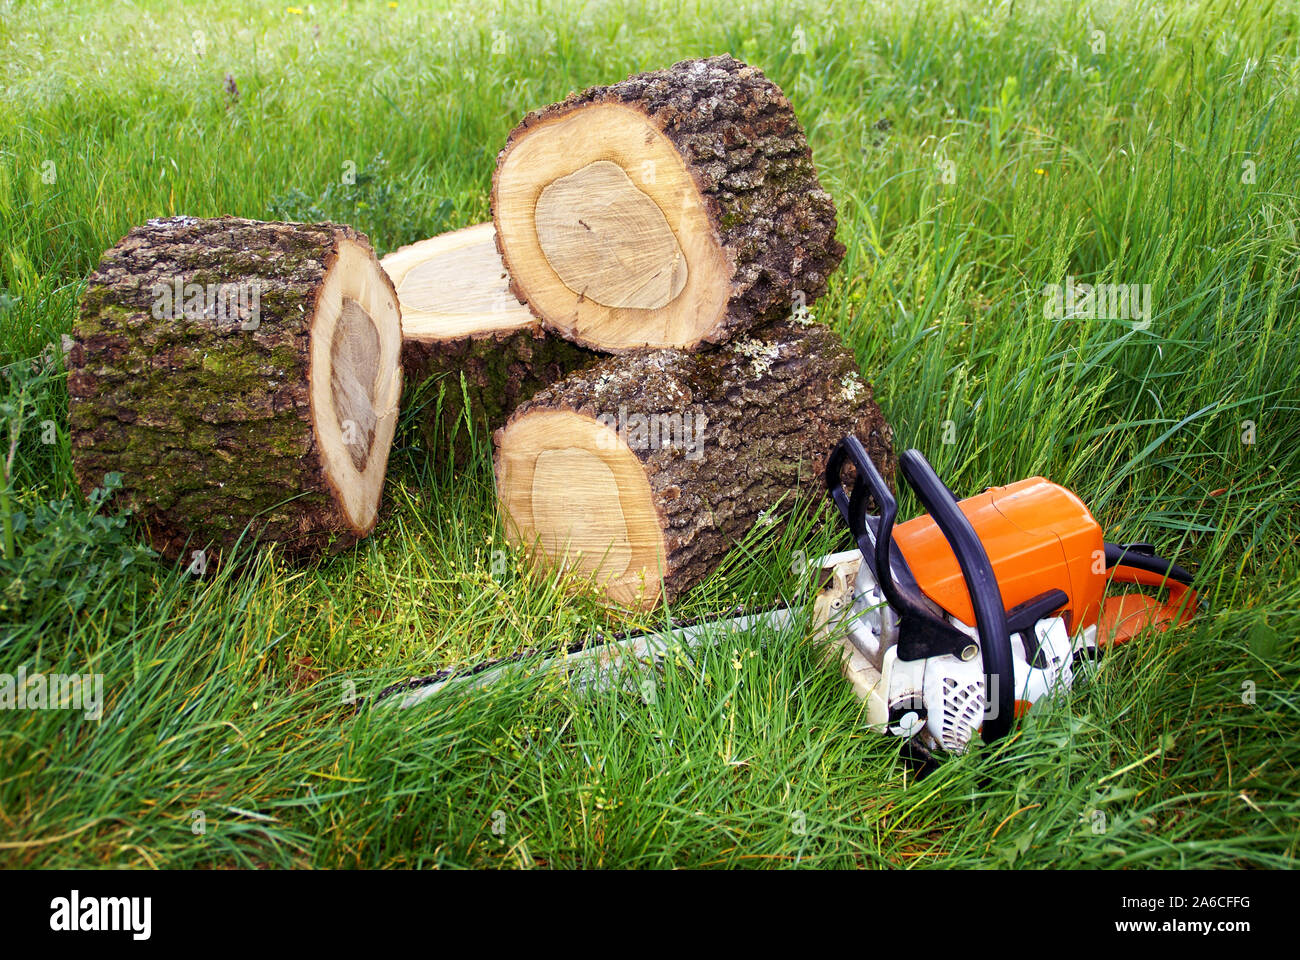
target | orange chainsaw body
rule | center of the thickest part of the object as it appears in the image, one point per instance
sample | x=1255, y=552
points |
x=1038, y=535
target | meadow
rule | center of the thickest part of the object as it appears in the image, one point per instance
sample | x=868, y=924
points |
x=978, y=152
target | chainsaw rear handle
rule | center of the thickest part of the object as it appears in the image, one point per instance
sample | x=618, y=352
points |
x=1142, y=556
x=977, y=571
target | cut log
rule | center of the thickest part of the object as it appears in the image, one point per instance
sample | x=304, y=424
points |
x=238, y=374
x=463, y=329
x=642, y=471
x=676, y=208
x=454, y=285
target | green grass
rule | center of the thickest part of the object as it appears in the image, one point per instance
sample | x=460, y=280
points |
x=1170, y=158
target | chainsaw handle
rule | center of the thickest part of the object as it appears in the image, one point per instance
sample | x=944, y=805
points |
x=875, y=544
x=981, y=584
x=853, y=507
x=1182, y=602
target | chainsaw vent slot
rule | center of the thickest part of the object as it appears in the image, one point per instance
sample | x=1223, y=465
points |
x=963, y=708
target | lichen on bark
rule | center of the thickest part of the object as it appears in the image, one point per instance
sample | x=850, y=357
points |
x=772, y=406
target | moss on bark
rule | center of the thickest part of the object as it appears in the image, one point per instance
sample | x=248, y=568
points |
x=207, y=418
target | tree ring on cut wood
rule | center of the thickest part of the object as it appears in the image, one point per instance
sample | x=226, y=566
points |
x=687, y=295
x=747, y=232
x=576, y=493
x=355, y=380
x=354, y=364
x=607, y=241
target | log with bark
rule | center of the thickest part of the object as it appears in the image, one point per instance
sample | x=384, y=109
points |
x=470, y=351
x=643, y=470
x=676, y=208
x=239, y=375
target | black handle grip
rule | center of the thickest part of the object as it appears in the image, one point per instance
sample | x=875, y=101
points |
x=853, y=507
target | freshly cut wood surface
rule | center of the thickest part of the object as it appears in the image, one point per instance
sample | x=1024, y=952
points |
x=642, y=471
x=470, y=350
x=607, y=240
x=454, y=285
x=241, y=376
x=674, y=209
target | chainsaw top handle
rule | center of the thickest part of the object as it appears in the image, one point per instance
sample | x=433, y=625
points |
x=874, y=537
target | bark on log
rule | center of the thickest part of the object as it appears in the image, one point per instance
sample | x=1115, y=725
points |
x=463, y=329
x=676, y=208
x=642, y=471
x=479, y=380
x=238, y=374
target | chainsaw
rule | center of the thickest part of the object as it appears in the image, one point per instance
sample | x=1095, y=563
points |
x=947, y=625
x=957, y=621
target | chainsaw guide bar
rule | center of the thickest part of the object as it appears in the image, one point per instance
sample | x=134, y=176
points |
x=589, y=666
